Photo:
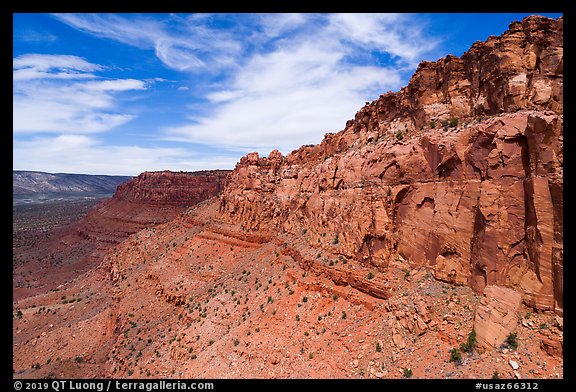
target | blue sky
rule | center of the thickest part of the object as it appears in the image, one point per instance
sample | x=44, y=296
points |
x=127, y=93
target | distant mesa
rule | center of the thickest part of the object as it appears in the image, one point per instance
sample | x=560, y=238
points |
x=35, y=182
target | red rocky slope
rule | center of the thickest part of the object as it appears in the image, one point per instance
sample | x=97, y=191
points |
x=145, y=201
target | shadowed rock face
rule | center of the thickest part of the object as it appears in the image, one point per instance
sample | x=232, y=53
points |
x=460, y=171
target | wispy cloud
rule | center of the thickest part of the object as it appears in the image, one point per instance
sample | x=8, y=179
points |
x=249, y=82
x=86, y=154
x=289, y=78
x=34, y=36
x=317, y=72
x=61, y=93
x=180, y=43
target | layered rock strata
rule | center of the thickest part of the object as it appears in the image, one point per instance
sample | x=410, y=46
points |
x=460, y=171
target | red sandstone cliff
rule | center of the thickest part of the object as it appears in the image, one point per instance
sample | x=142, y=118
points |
x=173, y=188
x=460, y=171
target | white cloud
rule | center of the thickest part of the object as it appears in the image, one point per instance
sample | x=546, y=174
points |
x=274, y=25
x=303, y=88
x=84, y=154
x=43, y=66
x=286, y=79
x=46, y=62
x=395, y=34
x=183, y=88
x=59, y=93
x=34, y=36
x=183, y=44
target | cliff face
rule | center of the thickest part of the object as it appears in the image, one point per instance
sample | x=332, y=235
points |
x=173, y=188
x=460, y=171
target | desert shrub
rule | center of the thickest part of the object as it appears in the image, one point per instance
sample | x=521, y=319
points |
x=455, y=355
x=469, y=345
x=512, y=340
x=407, y=372
x=453, y=122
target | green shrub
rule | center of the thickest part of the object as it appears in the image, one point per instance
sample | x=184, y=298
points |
x=495, y=375
x=305, y=299
x=378, y=347
x=344, y=315
x=399, y=135
x=407, y=373
x=455, y=355
x=512, y=340
x=370, y=275
x=468, y=347
x=432, y=124
x=453, y=122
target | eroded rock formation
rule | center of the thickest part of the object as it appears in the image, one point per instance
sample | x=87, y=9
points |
x=460, y=171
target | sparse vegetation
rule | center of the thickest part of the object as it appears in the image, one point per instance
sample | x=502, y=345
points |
x=512, y=340
x=399, y=135
x=344, y=315
x=432, y=124
x=378, y=347
x=305, y=299
x=469, y=345
x=495, y=375
x=455, y=355
x=311, y=355
x=370, y=275
x=453, y=122
x=407, y=372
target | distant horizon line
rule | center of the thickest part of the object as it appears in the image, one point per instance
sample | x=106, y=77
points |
x=121, y=175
